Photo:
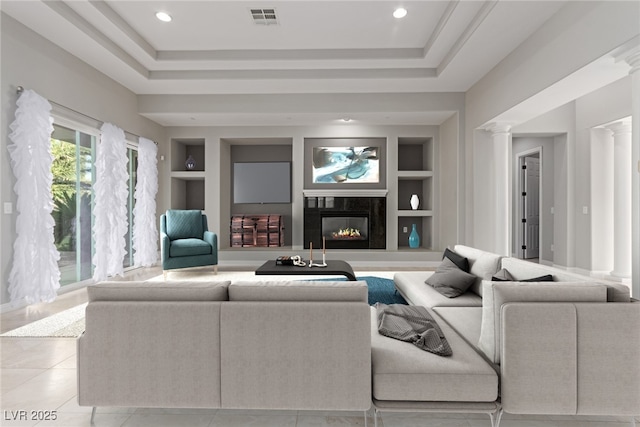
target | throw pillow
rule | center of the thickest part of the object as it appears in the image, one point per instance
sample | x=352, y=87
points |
x=450, y=280
x=459, y=260
x=545, y=278
x=502, y=276
x=482, y=264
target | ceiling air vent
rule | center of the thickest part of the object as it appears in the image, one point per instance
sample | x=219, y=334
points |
x=264, y=16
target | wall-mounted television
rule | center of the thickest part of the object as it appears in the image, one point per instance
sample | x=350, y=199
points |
x=262, y=182
x=345, y=163
x=332, y=165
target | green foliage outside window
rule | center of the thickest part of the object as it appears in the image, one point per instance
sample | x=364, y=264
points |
x=66, y=169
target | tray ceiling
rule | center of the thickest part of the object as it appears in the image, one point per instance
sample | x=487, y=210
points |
x=315, y=47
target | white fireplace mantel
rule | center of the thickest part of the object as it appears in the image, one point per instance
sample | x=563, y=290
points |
x=345, y=193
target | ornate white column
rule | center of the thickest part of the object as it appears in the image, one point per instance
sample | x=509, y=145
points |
x=621, y=198
x=501, y=136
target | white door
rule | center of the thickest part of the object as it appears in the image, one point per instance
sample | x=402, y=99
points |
x=531, y=208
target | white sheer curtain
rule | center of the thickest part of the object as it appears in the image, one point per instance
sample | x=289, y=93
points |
x=145, y=229
x=111, y=192
x=34, y=276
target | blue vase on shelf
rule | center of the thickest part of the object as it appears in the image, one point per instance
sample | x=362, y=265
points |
x=414, y=238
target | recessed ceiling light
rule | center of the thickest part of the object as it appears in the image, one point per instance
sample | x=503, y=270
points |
x=346, y=119
x=400, y=12
x=163, y=16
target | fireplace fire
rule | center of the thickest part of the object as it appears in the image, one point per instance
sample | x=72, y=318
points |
x=347, y=233
x=346, y=230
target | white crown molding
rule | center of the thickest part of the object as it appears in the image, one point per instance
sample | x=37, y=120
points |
x=370, y=73
x=484, y=11
x=87, y=28
x=124, y=26
x=289, y=54
x=440, y=27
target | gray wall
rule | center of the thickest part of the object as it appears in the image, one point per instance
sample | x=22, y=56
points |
x=448, y=206
x=221, y=140
x=33, y=62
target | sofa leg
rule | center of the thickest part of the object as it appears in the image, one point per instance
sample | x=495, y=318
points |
x=164, y=274
x=375, y=417
x=215, y=269
x=93, y=415
x=366, y=418
x=496, y=417
x=633, y=421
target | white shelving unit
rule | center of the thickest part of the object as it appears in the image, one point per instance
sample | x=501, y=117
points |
x=415, y=176
x=187, y=186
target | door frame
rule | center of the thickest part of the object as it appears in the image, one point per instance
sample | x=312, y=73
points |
x=519, y=161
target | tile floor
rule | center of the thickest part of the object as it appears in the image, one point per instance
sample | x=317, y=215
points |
x=38, y=379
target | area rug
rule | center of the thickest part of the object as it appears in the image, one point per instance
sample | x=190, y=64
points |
x=380, y=290
x=66, y=324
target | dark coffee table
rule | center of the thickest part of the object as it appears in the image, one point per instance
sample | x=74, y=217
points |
x=341, y=268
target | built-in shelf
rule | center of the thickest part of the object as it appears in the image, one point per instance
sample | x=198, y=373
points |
x=417, y=212
x=424, y=225
x=181, y=149
x=415, y=176
x=188, y=175
x=187, y=186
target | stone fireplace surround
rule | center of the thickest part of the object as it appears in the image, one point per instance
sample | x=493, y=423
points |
x=374, y=208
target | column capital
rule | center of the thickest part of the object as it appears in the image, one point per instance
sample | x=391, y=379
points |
x=630, y=53
x=498, y=127
x=619, y=128
x=634, y=60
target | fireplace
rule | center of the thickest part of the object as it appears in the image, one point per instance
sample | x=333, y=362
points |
x=345, y=222
x=345, y=230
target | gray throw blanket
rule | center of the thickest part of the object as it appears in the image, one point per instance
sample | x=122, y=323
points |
x=412, y=324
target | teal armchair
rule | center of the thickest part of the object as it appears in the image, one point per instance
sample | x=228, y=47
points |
x=186, y=242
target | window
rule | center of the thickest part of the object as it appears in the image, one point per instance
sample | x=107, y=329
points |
x=132, y=155
x=72, y=187
x=73, y=177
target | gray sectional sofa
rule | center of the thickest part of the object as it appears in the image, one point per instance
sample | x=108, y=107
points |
x=567, y=347
x=241, y=345
x=571, y=347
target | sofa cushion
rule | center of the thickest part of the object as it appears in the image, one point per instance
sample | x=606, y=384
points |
x=502, y=275
x=299, y=291
x=459, y=260
x=450, y=280
x=521, y=269
x=482, y=264
x=182, y=290
x=184, y=224
x=465, y=320
x=495, y=294
x=189, y=247
x=543, y=278
x=403, y=372
x=295, y=356
x=411, y=285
